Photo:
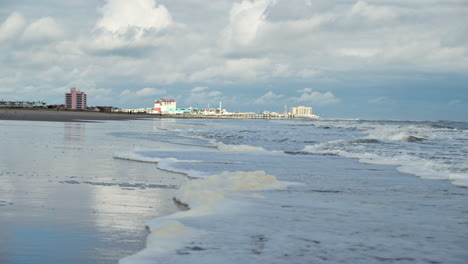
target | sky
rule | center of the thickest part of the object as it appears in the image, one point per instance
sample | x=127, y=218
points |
x=373, y=59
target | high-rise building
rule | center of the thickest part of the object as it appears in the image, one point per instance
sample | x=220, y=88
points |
x=75, y=100
x=301, y=110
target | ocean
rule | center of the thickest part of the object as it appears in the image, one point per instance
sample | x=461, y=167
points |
x=253, y=191
x=310, y=191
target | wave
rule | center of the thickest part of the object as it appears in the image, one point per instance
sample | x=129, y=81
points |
x=405, y=163
x=239, y=148
x=216, y=196
x=167, y=164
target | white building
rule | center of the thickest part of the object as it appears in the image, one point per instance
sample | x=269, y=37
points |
x=22, y=104
x=303, y=111
x=164, y=105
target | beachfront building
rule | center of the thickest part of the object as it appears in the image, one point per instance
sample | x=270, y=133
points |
x=75, y=99
x=164, y=105
x=302, y=111
x=22, y=104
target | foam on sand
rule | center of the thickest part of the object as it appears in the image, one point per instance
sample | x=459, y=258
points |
x=214, y=196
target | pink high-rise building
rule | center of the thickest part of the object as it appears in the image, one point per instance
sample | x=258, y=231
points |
x=75, y=99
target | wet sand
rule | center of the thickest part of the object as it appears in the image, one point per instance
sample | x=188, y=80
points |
x=65, y=199
x=66, y=116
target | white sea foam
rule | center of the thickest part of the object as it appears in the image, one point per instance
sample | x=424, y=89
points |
x=405, y=163
x=132, y=155
x=216, y=187
x=212, y=196
x=238, y=148
x=169, y=164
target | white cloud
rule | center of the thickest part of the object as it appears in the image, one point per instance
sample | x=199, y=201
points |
x=245, y=20
x=316, y=98
x=199, y=89
x=203, y=95
x=97, y=92
x=307, y=73
x=149, y=92
x=120, y=16
x=126, y=93
x=364, y=53
x=305, y=90
x=373, y=13
x=268, y=98
x=44, y=29
x=245, y=69
x=379, y=100
x=12, y=27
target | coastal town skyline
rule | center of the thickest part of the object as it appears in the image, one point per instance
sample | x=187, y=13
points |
x=353, y=59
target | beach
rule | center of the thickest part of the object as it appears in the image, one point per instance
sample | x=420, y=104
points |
x=257, y=191
x=65, y=199
x=65, y=116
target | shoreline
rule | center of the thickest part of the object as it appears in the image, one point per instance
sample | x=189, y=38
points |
x=55, y=209
x=65, y=116
x=49, y=115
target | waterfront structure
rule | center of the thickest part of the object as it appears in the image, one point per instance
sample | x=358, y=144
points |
x=303, y=111
x=164, y=105
x=22, y=104
x=75, y=100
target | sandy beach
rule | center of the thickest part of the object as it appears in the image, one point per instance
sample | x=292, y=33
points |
x=65, y=116
x=65, y=199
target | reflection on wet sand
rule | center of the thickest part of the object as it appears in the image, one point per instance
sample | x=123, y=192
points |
x=74, y=132
x=69, y=201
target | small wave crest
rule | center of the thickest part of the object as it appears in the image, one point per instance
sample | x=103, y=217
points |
x=410, y=162
x=238, y=148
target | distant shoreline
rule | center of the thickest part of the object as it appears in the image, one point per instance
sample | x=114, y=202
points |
x=66, y=116
x=89, y=116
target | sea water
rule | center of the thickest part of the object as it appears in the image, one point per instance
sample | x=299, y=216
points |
x=308, y=191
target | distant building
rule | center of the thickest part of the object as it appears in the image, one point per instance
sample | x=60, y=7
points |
x=303, y=111
x=164, y=105
x=75, y=100
x=22, y=104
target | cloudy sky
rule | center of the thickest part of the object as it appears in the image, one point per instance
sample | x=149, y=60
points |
x=391, y=59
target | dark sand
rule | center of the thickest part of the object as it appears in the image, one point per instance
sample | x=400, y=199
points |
x=65, y=116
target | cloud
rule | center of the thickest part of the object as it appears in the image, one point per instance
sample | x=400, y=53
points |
x=12, y=27
x=149, y=92
x=379, y=100
x=316, y=98
x=44, y=29
x=244, y=69
x=457, y=102
x=373, y=13
x=98, y=91
x=268, y=98
x=199, y=89
x=127, y=93
x=203, y=95
x=133, y=29
x=364, y=53
x=120, y=16
x=245, y=20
